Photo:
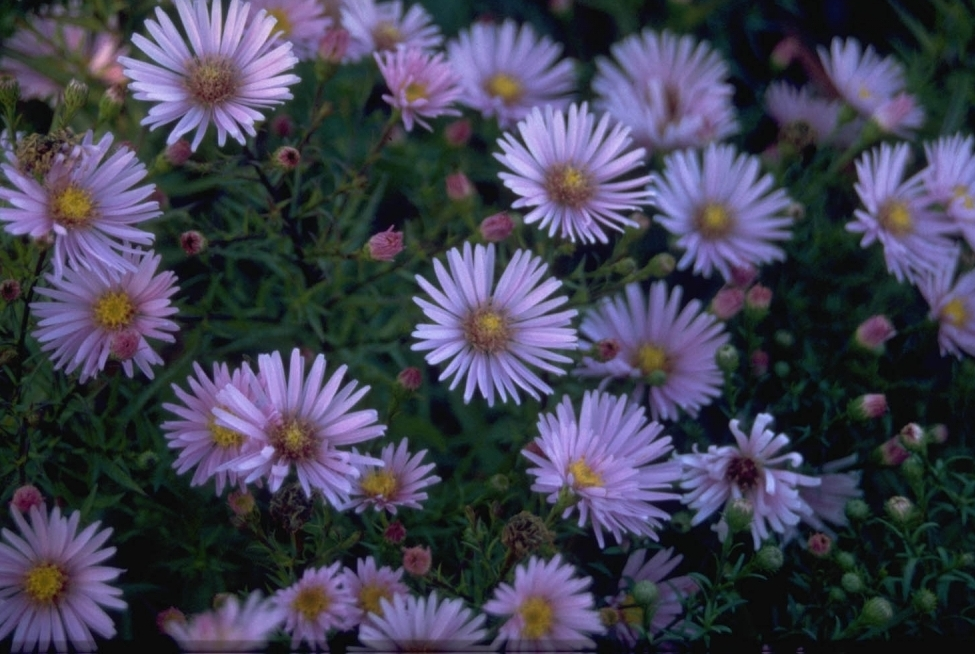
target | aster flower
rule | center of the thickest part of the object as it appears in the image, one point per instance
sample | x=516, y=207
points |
x=53, y=590
x=828, y=499
x=397, y=482
x=666, y=609
x=86, y=319
x=492, y=334
x=752, y=469
x=202, y=443
x=550, y=608
x=671, y=91
x=90, y=206
x=723, y=214
x=423, y=85
x=952, y=306
x=314, y=605
x=805, y=119
x=412, y=624
x=302, y=22
x=231, y=627
x=949, y=180
x=296, y=421
x=235, y=68
x=376, y=26
x=604, y=458
x=370, y=584
x=506, y=70
x=671, y=349
x=896, y=212
x=575, y=174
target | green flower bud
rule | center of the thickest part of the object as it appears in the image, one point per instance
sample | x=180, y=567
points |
x=837, y=595
x=738, y=514
x=846, y=560
x=857, y=510
x=784, y=338
x=913, y=469
x=9, y=93
x=661, y=265
x=901, y=510
x=877, y=612
x=645, y=593
x=728, y=358
x=75, y=96
x=625, y=266
x=782, y=368
x=769, y=558
x=110, y=104
x=925, y=601
x=852, y=582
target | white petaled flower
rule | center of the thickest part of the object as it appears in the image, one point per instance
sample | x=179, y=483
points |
x=226, y=73
x=376, y=26
x=577, y=176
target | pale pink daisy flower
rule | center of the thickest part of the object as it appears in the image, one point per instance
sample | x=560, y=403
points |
x=233, y=626
x=952, y=306
x=491, y=334
x=235, y=68
x=668, y=606
x=724, y=212
x=299, y=422
x=370, y=584
x=89, y=204
x=376, y=26
x=548, y=608
x=576, y=175
x=671, y=349
x=897, y=213
x=753, y=469
x=506, y=70
x=53, y=590
x=302, y=22
x=805, y=119
x=395, y=483
x=672, y=91
x=86, y=319
x=314, y=605
x=407, y=623
x=828, y=499
x=605, y=458
x=202, y=443
x=949, y=180
x=422, y=84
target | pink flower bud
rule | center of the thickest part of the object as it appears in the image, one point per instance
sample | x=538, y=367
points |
x=892, y=453
x=785, y=52
x=458, y=133
x=497, y=227
x=282, y=125
x=286, y=157
x=874, y=332
x=192, y=242
x=758, y=299
x=9, y=290
x=25, y=497
x=758, y=362
x=179, y=152
x=124, y=344
x=912, y=436
x=410, y=378
x=333, y=45
x=819, y=545
x=384, y=246
x=241, y=502
x=417, y=560
x=459, y=187
x=743, y=276
x=607, y=349
x=395, y=532
x=869, y=406
x=727, y=302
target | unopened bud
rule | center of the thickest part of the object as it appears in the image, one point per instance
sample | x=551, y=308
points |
x=784, y=338
x=25, y=497
x=819, y=545
x=728, y=358
x=459, y=187
x=738, y=514
x=868, y=406
x=75, y=96
x=192, y=242
x=124, y=344
x=9, y=290
x=852, y=582
x=410, y=378
x=857, y=510
x=333, y=45
x=394, y=533
x=925, y=601
x=743, y=276
x=645, y=593
x=846, y=560
x=282, y=125
x=625, y=266
x=757, y=301
x=782, y=369
x=912, y=437
x=110, y=104
x=758, y=362
x=606, y=350
x=179, y=152
x=769, y=558
x=877, y=612
x=901, y=510
x=497, y=227
x=417, y=560
x=9, y=93
x=286, y=158
x=913, y=468
x=499, y=482
x=892, y=453
x=873, y=332
x=727, y=302
x=938, y=433
x=458, y=133
x=384, y=246
x=661, y=265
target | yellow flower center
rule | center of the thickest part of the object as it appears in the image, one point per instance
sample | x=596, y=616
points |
x=294, y=440
x=631, y=612
x=386, y=35
x=487, y=330
x=537, y=614
x=504, y=86
x=864, y=92
x=713, y=221
x=212, y=80
x=895, y=217
x=311, y=602
x=569, y=186
x=45, y=583
x=961, y=191
x=284, y=23
x=72, y=207
x=585, y=477
x=416, y=91
x=370, y=596
x=954, y=312
x=222, y=436
x=379, y=483
x=114, y=310
x=651, y=360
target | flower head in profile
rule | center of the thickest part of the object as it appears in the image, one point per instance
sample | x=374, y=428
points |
x=605, y=458
x=302, y=22
x=506, y=70
x=723, y=213
x=53, y=588
x=672, y=91
x=397, y=482
x=90, y=204
x=300, y=422
x=828, y=499
x=671, y=593
x=226, y=73
x=672, y=349
x=422, y=85
x=548, y=608
x=314, y=605
x=491, y=334
x=233, y=626
x=84, y=319
x=407, y=623
x=576, y=175
x=949, y=180
x=897, y=213
x=951, y=304
x=369, y=584
x=375, y=26
x=753, y=469
x=805, y=119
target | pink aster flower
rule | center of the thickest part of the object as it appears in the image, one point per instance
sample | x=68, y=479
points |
x=376, y=26
x=952, y=306
x=422, y=84
x=752, y=469
x=671, y=91
x=671, y=349
x=314, y=605
x=370, y=584
x=202, y=443
x=723, y=213
x=53, y=590
x=548, y=608
x=828, y=499
x=302, y=22
x=949, y=180
x=300, y=422
x=231, y=627
x=576, y=175
x=422, y=624
x=506, y=70
x=805, y=119
x=668, y=606
x=234, y=69
x=85, y=319
x=91, y=207
x=605, y=458
x=491, y=334
x=897, y=213
x=397, y=482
